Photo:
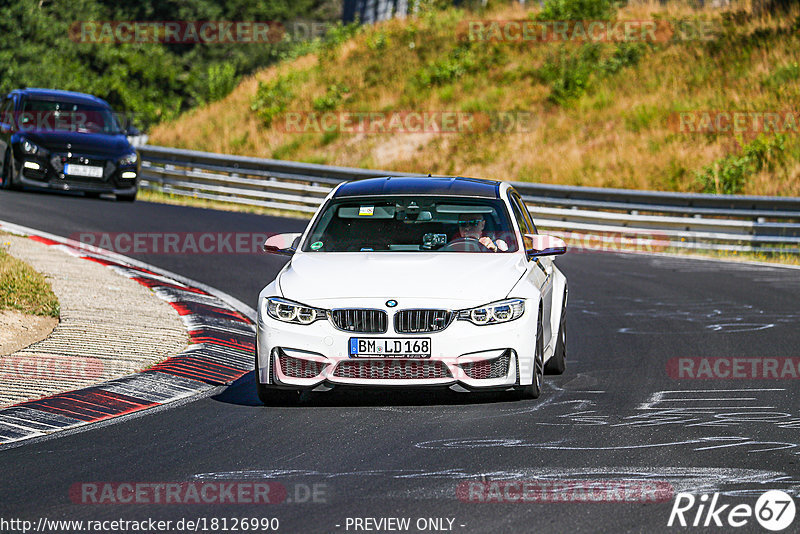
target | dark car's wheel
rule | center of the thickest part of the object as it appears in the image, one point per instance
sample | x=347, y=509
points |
x=535, y=389
x=127, y=198
x=277, y=397
x=557, y=364
x=7, y=173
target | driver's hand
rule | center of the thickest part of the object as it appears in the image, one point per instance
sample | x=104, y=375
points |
x=488, y=243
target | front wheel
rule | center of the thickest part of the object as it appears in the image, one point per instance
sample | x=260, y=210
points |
x=6, y=179
x=535, y=389
x=557, y=364
x=127, y=198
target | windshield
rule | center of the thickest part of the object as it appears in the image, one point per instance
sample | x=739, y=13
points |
x=412, y=224
x=51, y=115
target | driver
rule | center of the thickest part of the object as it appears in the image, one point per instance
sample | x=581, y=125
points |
x=470, y=225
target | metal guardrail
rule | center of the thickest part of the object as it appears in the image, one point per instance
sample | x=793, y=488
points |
x=685, y=220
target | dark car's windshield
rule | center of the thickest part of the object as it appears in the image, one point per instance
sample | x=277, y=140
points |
x=53, y=115
x=412, y=224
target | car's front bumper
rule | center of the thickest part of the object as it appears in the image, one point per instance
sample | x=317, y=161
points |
x=474, y=357
x=82, y=187
x=46, y=173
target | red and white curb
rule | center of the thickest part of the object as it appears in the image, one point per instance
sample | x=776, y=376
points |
x=221, y=330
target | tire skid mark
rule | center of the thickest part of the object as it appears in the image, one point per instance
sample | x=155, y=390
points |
x=441, y=483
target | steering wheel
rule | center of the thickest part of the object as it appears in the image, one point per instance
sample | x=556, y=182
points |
x=465, y=244
x=92, y=127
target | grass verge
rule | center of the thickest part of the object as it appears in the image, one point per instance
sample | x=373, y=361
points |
x=23, y=289
x=179, y=200
x=761, y=257
x=613, y=242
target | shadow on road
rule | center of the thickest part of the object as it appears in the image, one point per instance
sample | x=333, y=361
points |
x=243, y=393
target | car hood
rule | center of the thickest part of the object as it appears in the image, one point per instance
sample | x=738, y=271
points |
x=91, y=143
x=467, y=278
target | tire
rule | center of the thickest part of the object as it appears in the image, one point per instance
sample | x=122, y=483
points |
x=8, y=183
x=272, y=396
x=535, y=389
x=557, y=364
x=127, y=198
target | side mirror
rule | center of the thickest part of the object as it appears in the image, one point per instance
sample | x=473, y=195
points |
x=284, y=244
x=132, y=131
x=543, y=245
x=7, y=123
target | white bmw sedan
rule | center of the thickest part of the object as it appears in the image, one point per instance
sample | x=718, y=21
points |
x=413, y=282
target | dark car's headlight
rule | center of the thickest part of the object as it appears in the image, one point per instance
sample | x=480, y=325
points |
x=129, y=159
x=30, y=148
x=291, y=312
x=494, y=313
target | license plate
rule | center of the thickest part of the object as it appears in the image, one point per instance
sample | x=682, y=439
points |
x=83, y=170
x=406, y=347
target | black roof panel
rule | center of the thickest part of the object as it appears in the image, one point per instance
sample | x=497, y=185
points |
x=54, y=94
x=421, y=185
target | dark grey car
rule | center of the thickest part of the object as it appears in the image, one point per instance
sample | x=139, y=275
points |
x=65, y=141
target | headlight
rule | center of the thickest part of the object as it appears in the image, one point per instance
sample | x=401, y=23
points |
x=30, y=148
x=129, y=159
x=494, y=313
x=291, y=312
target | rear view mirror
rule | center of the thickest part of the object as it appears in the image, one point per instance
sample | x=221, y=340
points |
x=543, y=245
x=284, y=244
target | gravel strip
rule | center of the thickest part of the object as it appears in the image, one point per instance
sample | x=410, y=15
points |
x=110, y=326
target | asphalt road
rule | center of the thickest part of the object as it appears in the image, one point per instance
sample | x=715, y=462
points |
x=616, y=414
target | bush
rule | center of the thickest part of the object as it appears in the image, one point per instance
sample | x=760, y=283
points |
x=222, y=80
x=336, y=35
x=782, y=76
x=442, y=71
x=569, y=72
x=331, y=99
x=272, y=98
x=625, y=55
x=577, y=10
x=378, y=41
x=729, y=175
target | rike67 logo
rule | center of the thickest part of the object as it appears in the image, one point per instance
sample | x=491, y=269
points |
x=774, y=510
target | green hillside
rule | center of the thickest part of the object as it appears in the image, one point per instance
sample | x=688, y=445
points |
x=595, y=113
